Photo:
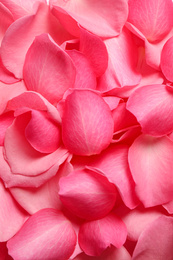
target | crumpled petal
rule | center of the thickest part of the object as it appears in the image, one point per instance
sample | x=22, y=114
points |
x=13, y=50
x=152, y=18
x=166, y=59
x=150, y=161
x=155, y=242
x=12, y=216
x=153, y=107
x=46, y=68
x=45, y=235
x=85, y=132
x=88, y=194
x=122, y=63
x=90, y=15
x=95, y=236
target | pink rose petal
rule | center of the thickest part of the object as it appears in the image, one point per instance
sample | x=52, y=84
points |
x=153, y=107
x=95, y=236
x=152, y=18
x=169, y=207
x=46, y=235
x=166, y=58
x=6, y=76
x=156, y=241
x=6, y=18
x=12, y=217
x=90, y=15
x=5, y=121
x=85, y=132
x=46, y=68
x=13, y=50
x=88, y=194
x=150, y=161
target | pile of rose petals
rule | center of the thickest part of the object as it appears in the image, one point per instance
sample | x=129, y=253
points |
x=86, y=130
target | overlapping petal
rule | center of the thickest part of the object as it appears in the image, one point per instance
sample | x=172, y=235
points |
x=150, y=161
x=166, y=59
x=45, y=235
x=88, y=194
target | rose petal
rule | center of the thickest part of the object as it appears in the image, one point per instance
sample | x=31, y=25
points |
x=169, y=207
x=5, y=121
x=6, y=18
x=46, y=234
x=152, y=18
x=166, y=58
x=150, y=161
x=6, y=76
x=156, y=241
x=46, y=68
x=88, y=194
x=89, y=133
x=12, y=217
x=95, y=236
x=153, y=107
x=90, y=15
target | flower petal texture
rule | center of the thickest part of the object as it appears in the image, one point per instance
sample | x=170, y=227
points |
x=46, y=234
x=87, y=123
x=166, y=59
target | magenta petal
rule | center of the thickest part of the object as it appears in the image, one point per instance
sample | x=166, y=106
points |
x=46, y=68
x=45, y=235
x=166, y=59
x=85, y=132
x=90, y=15
x=150, y=161
x=95, y=236
x=152, y=18
x=153, y=107
x=12, y=217
x=156, y=241
x=88, y=194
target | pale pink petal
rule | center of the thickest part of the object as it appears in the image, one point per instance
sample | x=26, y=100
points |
x=122, y=63
x=95, y=51
x=91, y=16
x=7, y=92
x=153, y=107
x=45, y=196
x=22, y=158
x=43, y=133
x=156, y=241
x=169, y=207
x=114, y=165
x=166, y=59
x=150, y=161
x=45, y=235
x=12, y=217
x=5, y=121
x=6, y=18
x=17, y=180
x=85, y=76
x=88, y=194
x=85, y=132
x=13, y=49
x=95, y=236
x=21, y=8
x=110, y=253
x=152, y=18
x=46, y=68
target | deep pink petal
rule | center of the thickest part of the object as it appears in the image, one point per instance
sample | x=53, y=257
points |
x=169, y=207
x=95, y=236
x=95, y=51
x=42, y=133
x=13, y=50
x=85, y=132
x=153, y=107
x=12, y=217
x=152, y=18
x=90, y=15
x=150, y=161
x=88, y=194
x=46, y=68
x=6, y=18
x=21, y=8
x=122, y=63
x=85, y=76
x=45, y=235
x=166, y=58
x=156, y=241
x=111, y=253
